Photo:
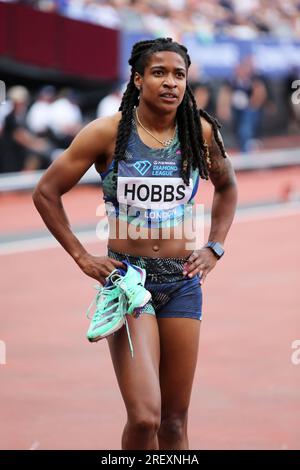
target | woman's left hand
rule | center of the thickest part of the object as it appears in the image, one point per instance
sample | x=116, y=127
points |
x=200, y=261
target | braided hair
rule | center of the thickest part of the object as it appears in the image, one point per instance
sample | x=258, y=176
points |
x=194, y=149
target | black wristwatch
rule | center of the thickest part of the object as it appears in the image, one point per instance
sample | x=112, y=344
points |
x=216, y=248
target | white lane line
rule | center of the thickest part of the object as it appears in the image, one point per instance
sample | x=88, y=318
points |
x=43, y=243
x=267, y=212
x=34, y=445
x=243, y=215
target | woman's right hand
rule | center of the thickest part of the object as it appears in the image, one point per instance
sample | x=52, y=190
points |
x=98, y=267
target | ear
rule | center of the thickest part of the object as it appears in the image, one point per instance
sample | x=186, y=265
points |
x=138, y=80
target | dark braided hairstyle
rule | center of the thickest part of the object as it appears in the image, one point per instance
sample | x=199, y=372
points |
x=194, y=149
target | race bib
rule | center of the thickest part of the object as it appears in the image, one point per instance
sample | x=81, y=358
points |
x=152, y=185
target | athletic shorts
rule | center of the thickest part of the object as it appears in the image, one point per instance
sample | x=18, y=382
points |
x=173, y=294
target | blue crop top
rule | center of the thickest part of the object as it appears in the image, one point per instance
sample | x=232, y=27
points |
x=148, y=190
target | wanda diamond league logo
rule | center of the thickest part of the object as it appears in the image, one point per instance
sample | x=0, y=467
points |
x=142, y=166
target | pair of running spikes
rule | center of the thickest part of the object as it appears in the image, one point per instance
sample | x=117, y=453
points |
x=124, y=293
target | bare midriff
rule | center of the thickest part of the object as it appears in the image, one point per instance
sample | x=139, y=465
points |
x=151, y=242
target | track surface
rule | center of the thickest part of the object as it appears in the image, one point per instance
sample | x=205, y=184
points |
x=59, y=392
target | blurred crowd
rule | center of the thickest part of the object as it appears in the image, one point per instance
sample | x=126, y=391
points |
x=36, y=128
x=247, y=19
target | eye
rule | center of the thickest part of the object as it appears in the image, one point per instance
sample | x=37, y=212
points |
x=157, y=72
x=180, y=74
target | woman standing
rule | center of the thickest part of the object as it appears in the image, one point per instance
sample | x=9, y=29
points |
x=151, y=156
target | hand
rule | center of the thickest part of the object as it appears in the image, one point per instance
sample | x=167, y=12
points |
x=98, y=267
x=200, y=261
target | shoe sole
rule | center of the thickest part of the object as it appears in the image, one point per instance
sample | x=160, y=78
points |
x=110, y=332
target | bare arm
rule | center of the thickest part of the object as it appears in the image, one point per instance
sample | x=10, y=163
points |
x=225, y=194
x=223, y=207
x=61, y=176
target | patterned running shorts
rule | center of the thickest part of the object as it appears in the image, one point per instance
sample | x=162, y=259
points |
x=173, y=294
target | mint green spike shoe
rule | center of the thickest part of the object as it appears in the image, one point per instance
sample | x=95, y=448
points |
x=132, y=284
x=124, y=293
x=111, y=308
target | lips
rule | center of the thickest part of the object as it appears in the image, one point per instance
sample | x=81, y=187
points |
x=168, y=95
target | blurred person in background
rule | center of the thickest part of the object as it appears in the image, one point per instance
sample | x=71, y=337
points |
x=247, y=19
x=243, y=100
x=110, y=104
x=38, y=115
x=203, y=95
x=20, y=148
x=65, y=118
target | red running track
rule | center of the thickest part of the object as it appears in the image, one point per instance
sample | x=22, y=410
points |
x=59, y=392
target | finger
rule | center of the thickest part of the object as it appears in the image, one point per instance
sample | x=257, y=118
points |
x=109, y=266
x=190, y=267
x=196, y=266
x=196, y=270
x=188, y=263
x=116, y=263
x=192, y=257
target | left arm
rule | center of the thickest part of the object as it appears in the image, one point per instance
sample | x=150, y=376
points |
x=222, y=176
x=224, y=203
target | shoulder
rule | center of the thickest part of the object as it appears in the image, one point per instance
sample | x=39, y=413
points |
x=104, y=127
x=99, y=134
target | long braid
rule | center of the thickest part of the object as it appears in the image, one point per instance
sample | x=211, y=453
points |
x=215, y=126
x=183, y=133
x=129, y=100
x=199, y=159
x=194, y=149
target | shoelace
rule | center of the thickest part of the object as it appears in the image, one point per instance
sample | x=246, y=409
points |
x=103, y=291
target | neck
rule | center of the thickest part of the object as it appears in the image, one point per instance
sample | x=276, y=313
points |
x=153, y=122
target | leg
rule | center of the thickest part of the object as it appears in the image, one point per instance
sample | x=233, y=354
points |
x=138, y=379
x=179, y=339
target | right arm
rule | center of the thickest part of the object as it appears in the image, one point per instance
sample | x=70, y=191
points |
x=60, y=177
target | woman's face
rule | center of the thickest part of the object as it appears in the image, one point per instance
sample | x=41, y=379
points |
x=164, y=81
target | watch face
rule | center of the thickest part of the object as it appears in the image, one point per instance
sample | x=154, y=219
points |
x=218, y=249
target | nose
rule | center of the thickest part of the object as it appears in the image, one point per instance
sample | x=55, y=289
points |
x=170, y=81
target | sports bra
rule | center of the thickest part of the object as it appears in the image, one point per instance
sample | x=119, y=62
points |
x=148, y=190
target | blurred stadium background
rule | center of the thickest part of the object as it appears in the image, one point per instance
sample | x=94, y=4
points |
x=64, y=63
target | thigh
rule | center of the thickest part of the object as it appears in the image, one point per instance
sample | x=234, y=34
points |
x=179, y=343
x=184, y=301
x=138, y=376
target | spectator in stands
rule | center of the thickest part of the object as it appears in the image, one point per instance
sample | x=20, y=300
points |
x=20, y=149
x=38, y=115
x=248, y=96
x=203, y=95
x=65, y=118
x=110, y=104
x=207, y=18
